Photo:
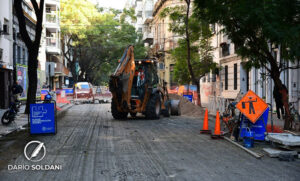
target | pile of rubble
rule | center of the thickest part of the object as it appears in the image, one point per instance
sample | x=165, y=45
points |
x=187, y=107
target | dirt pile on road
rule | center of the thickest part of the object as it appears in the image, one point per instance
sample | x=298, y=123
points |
x=188, y=108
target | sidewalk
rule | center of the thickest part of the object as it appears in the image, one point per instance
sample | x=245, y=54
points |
x=21, y=121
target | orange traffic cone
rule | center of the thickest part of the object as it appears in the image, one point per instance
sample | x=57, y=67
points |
x=217, y=133
x=205, y=129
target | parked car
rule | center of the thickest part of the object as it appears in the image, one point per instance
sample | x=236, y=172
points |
x=102, y=94
x=83, y=92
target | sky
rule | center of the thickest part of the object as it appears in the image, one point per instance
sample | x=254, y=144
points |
x=117, y=4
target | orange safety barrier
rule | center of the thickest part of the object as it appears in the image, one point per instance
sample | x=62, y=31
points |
x=59, y=99
x=217, y=133
x=205, y=129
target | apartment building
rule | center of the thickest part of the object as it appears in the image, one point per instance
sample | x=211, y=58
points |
x=6, y=52
x=147, y=29
x=55, y=67
x=232, y=78
x=164, y=40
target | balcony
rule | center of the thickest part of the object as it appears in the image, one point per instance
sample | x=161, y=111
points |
x=139, y=13
x=52, y=20
x=148, y=37
x=52, y=2
x=61, y=69
x=52, y=45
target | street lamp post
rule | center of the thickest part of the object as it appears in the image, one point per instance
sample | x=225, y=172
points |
x=49, y=76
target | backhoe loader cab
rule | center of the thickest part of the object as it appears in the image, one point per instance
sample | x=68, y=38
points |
x=135, y=88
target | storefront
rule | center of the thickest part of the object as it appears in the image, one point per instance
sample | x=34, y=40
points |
x=5, y=85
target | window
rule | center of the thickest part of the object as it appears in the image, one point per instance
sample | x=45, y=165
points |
x=19, y=55
x=214, y=75
x=235, y=77
x=235, y=48
x=172, y=81
x=161, y=66
x=14, y=34
x=225, y=49
x=226, y=77
x=23, y=57
x=208, y=77
x=204, y=79
x=5, y=27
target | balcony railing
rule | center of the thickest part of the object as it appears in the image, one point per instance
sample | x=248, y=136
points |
x=52, y=42
x=61, y=69
x=51, y=18
x=147, y=36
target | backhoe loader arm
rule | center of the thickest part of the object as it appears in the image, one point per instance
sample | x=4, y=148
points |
x=126, y=62
x=122, y=78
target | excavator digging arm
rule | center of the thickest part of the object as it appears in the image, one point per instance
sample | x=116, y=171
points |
x=121, y=80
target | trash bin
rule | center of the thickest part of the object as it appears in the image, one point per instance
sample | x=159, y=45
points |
x=248, y=139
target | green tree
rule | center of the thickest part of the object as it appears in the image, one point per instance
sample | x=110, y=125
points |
x=32, y=45
x=76, y=20
x=97, y=38
x=255, y=26
x=194, y=54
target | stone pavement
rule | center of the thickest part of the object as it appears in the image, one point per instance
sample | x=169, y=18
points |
x=21, y=121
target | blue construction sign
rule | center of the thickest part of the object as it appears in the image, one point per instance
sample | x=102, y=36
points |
x=258, y=128
x=189, y=97
x=42, y=118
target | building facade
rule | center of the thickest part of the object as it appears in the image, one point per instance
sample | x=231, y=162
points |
x=148, y=31
x=6, y=53
x=224, y=84
x=164, y=40
x=55, y=66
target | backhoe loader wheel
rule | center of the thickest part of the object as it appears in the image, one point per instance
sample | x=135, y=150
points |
x=115, y=113
x=153, y=107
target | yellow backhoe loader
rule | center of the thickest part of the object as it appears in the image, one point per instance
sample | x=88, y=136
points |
x=135, y=88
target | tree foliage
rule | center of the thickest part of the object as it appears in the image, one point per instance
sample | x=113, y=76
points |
x=194, y=53
x=98, y=39
x=255, y=27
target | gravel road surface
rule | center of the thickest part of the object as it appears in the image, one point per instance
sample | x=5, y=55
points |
x=91, y=145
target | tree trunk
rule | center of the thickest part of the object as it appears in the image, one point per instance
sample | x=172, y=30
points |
x=32, y=76
x=188, y=45
x=32, y=46
x=198, y=94
x=275, y=75
x=285, y=101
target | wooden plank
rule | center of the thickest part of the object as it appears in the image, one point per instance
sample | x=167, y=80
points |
x=256, y=155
